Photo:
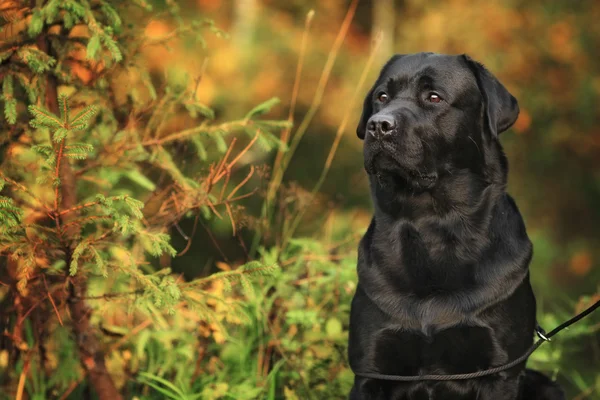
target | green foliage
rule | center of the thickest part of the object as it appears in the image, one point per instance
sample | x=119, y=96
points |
x=149, y=149
x=43, y=118
x=306, y=335
x=37, y=61
x=263, y=108
x=10, y=214
x=166, y=388
x=67, y=219
x=10, y=103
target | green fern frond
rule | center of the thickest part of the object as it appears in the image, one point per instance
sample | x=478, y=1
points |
x=157, y=244
x=75, y=9
x=43, y=118
x=100, y=264
x=93, y=47
x=25, y=269
x=112, y=47
x=69, y=20
x=80, y=147
x=38, y=61
x=251, y=269
x=196, y=108
x=263, y=108
x=134, y=206
x=125, y=225
x=217, y=136
x=10, y=103
x=36, y=24
x=84, y=117
x=60, y=134
x=63, y=106
x=161, y=290
x=51, y=11
x=79, y=151
x=10, y=215
x=5, y=55
x=111, y=15
x=77, y=253
x=43, y=150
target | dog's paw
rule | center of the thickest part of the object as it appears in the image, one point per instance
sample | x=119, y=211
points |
x=538, y=386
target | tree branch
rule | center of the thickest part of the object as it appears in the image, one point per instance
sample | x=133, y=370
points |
x=90, y=350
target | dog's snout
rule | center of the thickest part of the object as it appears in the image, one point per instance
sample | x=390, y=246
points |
x=381, y=125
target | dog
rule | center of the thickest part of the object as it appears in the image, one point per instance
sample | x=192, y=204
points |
x=443, y=278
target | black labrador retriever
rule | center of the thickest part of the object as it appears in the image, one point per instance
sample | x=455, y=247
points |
x=443, y=267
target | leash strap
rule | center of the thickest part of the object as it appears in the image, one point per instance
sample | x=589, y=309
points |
x=544, y=337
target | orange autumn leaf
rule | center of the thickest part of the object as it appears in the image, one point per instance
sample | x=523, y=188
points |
x=156, y=30
x=580, y=263
x=523, y=122
x=209, y=5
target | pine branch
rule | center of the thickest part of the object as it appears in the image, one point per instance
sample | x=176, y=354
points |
x=253, y=268
x=229, y=127
x=90, y=351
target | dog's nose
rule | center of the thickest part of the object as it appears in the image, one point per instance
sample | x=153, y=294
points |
x=381, y=125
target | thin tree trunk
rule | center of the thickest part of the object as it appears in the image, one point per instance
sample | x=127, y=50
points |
x=92, y=357
x=244, y=24
x=384, y=21
x=90, y=351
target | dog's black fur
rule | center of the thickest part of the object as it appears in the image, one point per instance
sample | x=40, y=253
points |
x=443, y=267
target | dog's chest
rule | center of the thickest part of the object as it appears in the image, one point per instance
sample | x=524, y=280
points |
x=459, y=349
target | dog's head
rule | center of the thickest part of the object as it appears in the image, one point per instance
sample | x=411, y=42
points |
x=428, y=115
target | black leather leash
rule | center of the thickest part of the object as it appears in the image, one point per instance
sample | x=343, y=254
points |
x=544, y=337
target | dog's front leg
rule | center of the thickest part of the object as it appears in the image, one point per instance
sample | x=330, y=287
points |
x=367, y=389
x=500, y=389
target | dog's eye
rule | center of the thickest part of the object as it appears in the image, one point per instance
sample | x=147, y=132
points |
x=434, y=98
x=383, y=97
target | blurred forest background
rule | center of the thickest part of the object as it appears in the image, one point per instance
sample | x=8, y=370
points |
x=198, y=239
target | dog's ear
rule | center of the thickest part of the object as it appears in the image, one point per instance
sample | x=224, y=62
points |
x=367, y=110
x=501, y=108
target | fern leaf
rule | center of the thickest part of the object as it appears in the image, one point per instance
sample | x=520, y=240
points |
x=218, y=138
x=135, y=207
x=263, y=108
x=10, y=215
x=63, y=106
x=38, y=61
x=83, y=118
x=77, y=253
x=59, y=135
x=36, y=24
x=93, y=47
x=10, y=103
x=111, y=15
x=43, y=118
x=112, y=47
x=79, y=151
x=158, y=244
x=99, y=261
x=42, y=150
x=25, y=269
x=51, y=11
x=198, y=108
x=200, y=149
x=74, y=8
